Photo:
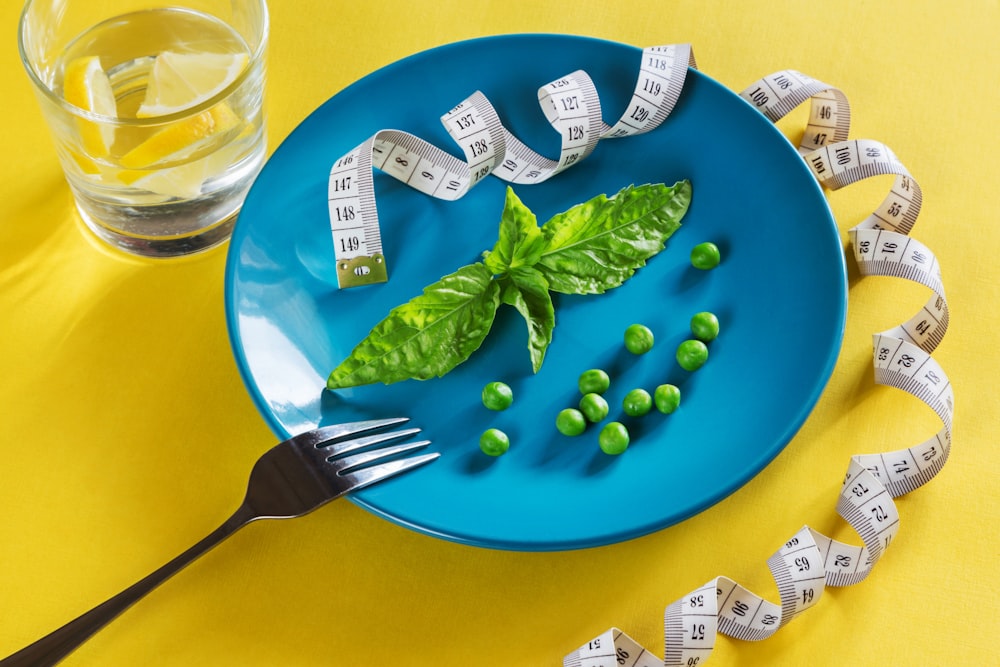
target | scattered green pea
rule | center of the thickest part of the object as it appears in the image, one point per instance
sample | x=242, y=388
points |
x=705, y=256
x=667, y=398
x=705, y=326
x=692, y=354
x=494, y=442
x=571, y=422
x=638, y=339
x=593, y=381
x=637, y=403
x=497, y=396
x=613, y=438
x=594, y=407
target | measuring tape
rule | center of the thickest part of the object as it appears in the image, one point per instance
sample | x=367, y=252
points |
x=570, y=104
x=809, y=561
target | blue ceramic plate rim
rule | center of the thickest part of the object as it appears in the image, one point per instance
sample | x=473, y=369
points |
x=530, y=487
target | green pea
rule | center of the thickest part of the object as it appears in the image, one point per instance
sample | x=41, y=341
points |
x=594, y=381
x=637, y=403
x=594, y=407
x=613, y=438
x=705, y=256
x=692, y=354
x=705, y=326
x=638, y=339
x=571, y=422
x=494, y=442
x=667, y=398
x=497, y=396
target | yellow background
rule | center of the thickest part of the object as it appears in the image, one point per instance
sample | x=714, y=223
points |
x=126, y=434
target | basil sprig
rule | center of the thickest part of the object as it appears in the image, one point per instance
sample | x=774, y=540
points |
x=589, y=249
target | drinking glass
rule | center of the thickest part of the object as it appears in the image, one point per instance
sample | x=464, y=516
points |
x=156, y=112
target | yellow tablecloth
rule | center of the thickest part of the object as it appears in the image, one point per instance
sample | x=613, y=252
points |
x=126, y=433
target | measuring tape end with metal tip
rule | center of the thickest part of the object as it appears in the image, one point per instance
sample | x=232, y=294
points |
x=362, y=270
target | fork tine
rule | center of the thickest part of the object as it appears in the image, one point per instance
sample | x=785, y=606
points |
x=318, y=436
x=339, y=448
x=362, y=477
x=347, y=464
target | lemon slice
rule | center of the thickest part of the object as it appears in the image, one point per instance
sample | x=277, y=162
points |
x=183, y=181
x=178, y=81
x=183, y=139
x=86, y=86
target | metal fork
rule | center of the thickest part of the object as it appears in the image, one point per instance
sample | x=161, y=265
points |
x=292, y=479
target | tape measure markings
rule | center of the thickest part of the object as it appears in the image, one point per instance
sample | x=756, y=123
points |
x=901, y=366
x=835, y=160
x=776, y=95
x=486, y=148
x=347, y=197
x=797, y=570
x=914, y=261
x=565, y=102
x=829, y=120
x=903, y=257
x=397, y=150
x=842, y=562
x=722, y=605
x=611, y=649
x=742, y=601
x=661, y=78
x=868, y=507
x=693, y=631
x=843, y=163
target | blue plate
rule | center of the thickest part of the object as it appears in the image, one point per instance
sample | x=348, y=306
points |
x=780, y=294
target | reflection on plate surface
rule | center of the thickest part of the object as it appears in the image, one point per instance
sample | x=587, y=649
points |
x=780, y=294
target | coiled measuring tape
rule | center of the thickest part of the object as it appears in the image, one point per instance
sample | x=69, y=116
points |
x=571, y=105
x=808, y=561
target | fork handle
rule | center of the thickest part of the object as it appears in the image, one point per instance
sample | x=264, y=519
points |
x=56, y=645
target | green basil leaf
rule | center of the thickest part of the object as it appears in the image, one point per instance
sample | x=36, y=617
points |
x=519, y=242
x=427, y=336
x=528, y=292
x=597, y=245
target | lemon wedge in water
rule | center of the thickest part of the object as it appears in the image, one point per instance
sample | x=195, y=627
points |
x=181, y=80
x=86, y=86
x=182, y=139
x=202, y=133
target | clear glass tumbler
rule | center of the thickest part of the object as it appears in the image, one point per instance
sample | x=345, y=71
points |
x=156, y=110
